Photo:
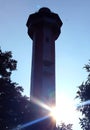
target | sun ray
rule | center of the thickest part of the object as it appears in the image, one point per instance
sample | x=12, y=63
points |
x=40, y=103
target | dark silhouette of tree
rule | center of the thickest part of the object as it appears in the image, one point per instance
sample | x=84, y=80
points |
x=7, y=64
x=14, y=107
x=84, y=95
x=63, y=126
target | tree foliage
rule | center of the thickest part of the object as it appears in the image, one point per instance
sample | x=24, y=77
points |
x=63, y=126
x=84, y=95
x=7, y=64
x=14, y=107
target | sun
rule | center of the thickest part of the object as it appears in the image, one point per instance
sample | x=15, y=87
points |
x=64, y=111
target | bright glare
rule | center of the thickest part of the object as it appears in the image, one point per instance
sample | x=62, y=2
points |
x=65, y=110
x=53, y=113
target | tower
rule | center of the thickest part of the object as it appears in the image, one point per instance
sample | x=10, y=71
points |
x=43, y=28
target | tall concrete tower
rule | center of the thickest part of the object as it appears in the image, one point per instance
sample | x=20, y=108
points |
x=43, y=28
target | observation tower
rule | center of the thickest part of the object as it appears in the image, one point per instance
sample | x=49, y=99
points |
x=44, y=28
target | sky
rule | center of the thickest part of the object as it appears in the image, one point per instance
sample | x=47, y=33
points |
x=72, y=46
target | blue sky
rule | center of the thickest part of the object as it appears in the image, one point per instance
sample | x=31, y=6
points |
x=72, y=47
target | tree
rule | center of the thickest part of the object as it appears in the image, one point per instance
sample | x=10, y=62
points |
x=63, y=126
x=7, y=64
x=14, y=107
x=84, y=95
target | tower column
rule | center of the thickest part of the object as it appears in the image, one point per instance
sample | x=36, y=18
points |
x=43, y=28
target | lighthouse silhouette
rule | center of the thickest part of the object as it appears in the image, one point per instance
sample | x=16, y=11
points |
x=44, y=28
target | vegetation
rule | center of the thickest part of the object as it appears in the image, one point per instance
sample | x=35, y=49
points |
x=84, y=95
x=14, y=107
x=62, y=126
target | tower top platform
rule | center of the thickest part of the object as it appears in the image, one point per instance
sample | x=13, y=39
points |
x=44, y=17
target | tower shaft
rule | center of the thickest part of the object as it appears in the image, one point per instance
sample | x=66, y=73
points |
x=43, y=65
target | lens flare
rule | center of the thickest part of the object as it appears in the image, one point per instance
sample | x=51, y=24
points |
x=36, y=101
x=57, y=113
x=30, y=123
x=83, y=104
